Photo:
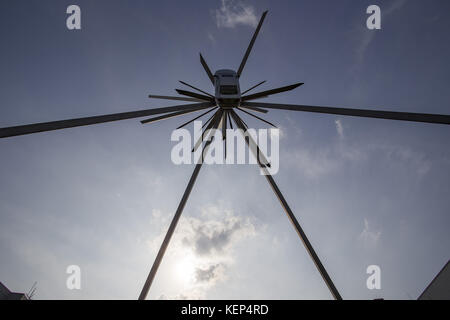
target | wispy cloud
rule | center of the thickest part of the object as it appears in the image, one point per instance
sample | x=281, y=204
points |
x=339, y=128
x=233, y=13
x=368, y=236
x=316, y=162
x=361, y=49
x=394, y=7
x=211, y=37
x=313, y=163
x=396, y=155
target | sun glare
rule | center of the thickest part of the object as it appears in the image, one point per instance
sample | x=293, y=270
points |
x=185, y=269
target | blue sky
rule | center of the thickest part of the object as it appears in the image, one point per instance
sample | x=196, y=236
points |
x=366, y=191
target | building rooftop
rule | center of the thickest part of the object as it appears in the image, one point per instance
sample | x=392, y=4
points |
x=439, y=288
x=6, y=294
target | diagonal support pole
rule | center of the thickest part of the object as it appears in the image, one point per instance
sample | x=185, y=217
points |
x=288, y=210
x=176, y=217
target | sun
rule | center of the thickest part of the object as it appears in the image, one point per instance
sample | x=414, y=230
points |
x=185, y=269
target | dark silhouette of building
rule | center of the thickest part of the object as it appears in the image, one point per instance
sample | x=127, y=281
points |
x=6, y=294
x=439, y=288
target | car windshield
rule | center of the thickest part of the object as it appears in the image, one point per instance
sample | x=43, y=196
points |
x=228, y=90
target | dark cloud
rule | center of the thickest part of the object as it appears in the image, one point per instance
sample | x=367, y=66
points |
x=209, y=274
x=213, y=237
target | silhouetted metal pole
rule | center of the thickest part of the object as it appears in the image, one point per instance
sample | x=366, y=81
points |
x=177, y=215
x=288, y=210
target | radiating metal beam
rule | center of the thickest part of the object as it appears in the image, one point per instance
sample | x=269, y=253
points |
x=174, y=222
x=224, y=132
x=229, y=118
x=244, y=105
x=171, y=115
x=288, y=210
x=257, y=85
x=224, y=125
x=207, y=70
x=201, y=138
x=77, y=122
x=152, y=96
x=207, y=121
x=264, y=94
x=261, y=119
x=379, y=114
x=250, y=46
x=195, y=88
x=186, y=123
x=194, y=95
x=240, y=119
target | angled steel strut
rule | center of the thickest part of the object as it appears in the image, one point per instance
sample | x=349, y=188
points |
x=252, y=146
x=214, y=124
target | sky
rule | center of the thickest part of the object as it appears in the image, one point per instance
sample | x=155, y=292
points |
x=366, y=191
